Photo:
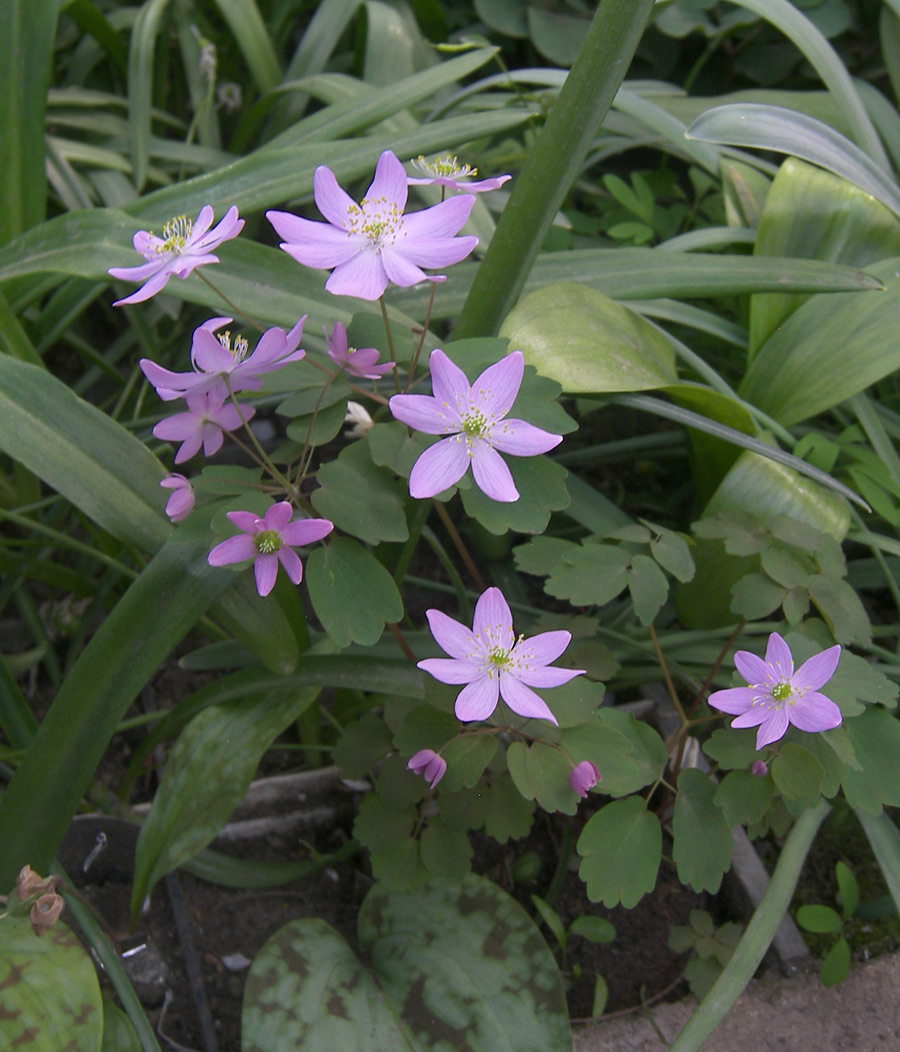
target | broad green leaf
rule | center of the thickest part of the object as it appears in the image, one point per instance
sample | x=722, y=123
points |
x=507, y=814
x=436, y=952
x=620, y=850
x=591, y=574
x=542, y=490
x=51, y=997
x=885, y=840
x=541, y=773
x=623, y=767
x=848, y=886
x=673, y=553
x=827, y=350
x=397, y=786
x=248, y=30
x=27, y=32
x=206, y=776
x=178, y=585
x=589, y=343
x=362, y=746
x=703, y=845
x=361, y=499
x=743, y=797
x=756, y=596
x=425, y=727
x=539, y=555
x=648, y=587
x=467, y=758
x=446, y=852
x=836, y=965
x=813, y=214
x=875, y=737
x=842, y=609
x=594, y=928
x=118, y=1033
x=732, y=749
x=337, y=575
x=342, y=1008
x=798, y=776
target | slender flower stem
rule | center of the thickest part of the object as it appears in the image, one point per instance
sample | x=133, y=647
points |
x=301, y=467
x=670, y=686
x=415, y=360
x=707, y=683
x=448, y=522
x=233, y=307
x=266, y=462
x=390, y=340
x=758, y=936
x=397, y=633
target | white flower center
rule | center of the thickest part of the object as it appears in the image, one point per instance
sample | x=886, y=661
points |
x=267, y=542
x=379, y=219
x=175, y=236
x=444, y=167
x=238, y=349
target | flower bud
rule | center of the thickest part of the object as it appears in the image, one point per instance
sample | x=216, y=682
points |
x=759, y=768
x=181, y=502
x=427, y=762
x=45, y=912
x=583, y=776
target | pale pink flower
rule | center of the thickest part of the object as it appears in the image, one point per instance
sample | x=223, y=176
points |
x=221, y=361
x=369, y=244
x=269, y=541
x=474, y=415
x=777, y=695
x=185, y=244
x=494, y=663
x=447, y=171
x=356, y=361
x=427, y=762
x=202, y=425
x=181, y=500
x=582, y=777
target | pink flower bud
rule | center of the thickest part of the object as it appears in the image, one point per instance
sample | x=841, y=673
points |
x=181, y=502
x=759, y=768
x=428, y=763
x=583, y=776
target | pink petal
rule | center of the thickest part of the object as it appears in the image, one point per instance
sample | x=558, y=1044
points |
x=452, y=637
x=734, y=700
x=333, y=202
x=290, y=560
x=523, y=700
x=778, y=654
x=814, y=712
x=229, y=226
x=522, y=439
x=245, y=520
x=208, y=354
x=389, y=182
x=440, y=221
x=817, y=670
x=424, y=413
x=265, y=570
x=543, y=648
x=363, y=275
x=202, y=223
x=449, y=383
x=435, y=251
x=439, y=467
x=278, y=516
x=305, y=531
x=398, y=269
x=491, y=474
x=754, y=717
x=773, y=729
x=212, y=441
x=478, y=700
x=449, y=670
x=549, y=677
x=157, y=282
x=492, y=622
x=751, y=667
x=145, y=270
x=235, y=550
x=315, y=244
x=495, y=390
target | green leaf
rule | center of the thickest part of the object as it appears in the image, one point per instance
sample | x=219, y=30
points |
x=591, y=574
x=589, y=343
x=551, y=918
x=206, y=776
x=467, y=758
x=620, y=849
x=392, y=446
x=848, y=886
x=732, y=749
x=446, y=852
x=118, y=1033
x=594, y=928
x=648, y=587
x=875, y=737
x=743, y=797
x=673, y=553
x=541, y=773
x=885, y=840
x=798, y=776
x=703, y=845
x=541, y=554
x=820, y=919
x=542, y=490
x=344, y=1008
x=425, y=727
x=755, y=596
x=836, y=965
x=437, y=951
x=507, y=814
x=336, y=576
x=362, y=746
x=359, y=498
x=51, y=998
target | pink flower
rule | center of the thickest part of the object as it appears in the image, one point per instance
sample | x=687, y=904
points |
x=428, y=763
x=207, y=417
x=182, y=247
x=366, y=245
x=474, y=416
x=357, y=362
x=494, y=663
x=759, y=768
x=269, y=541
x=181, y=501
x=777, y=695
x=447, y=171
x=582, y=777
x=217, y=359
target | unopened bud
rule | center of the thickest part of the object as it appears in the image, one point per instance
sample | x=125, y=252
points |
x=45, y=912
x=759, y=768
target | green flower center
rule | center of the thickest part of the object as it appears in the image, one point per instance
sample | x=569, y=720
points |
x=379, y=219
x=474, y=424
x=238, y=349
x=267, y=542
x=782, y=691
x=445, y=166
x=498, y=657
x=175, y=234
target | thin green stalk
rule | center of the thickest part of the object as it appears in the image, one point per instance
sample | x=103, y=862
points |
x=554, y=164
x=759, y=934
x=390, y=340
x=233, y=307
